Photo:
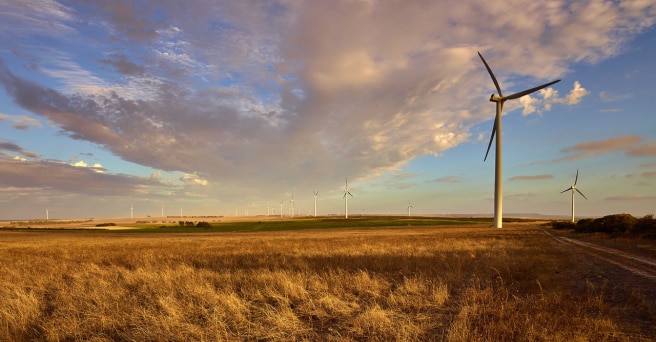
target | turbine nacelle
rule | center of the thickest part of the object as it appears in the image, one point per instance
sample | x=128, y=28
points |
x=496, y=98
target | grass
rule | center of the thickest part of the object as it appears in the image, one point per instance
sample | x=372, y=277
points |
x=405, y=284
x=313, y=223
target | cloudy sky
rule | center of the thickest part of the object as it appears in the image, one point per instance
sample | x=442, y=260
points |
x=223, y=107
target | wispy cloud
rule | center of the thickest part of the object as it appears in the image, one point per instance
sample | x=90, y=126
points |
x=630, y=145
x=20, y=122
x=13, y=148
x=531, y=177
x=252, y=93
x=625, y=198
x=448, y=179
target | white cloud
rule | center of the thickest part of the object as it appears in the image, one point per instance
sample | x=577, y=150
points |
x=551, y=96
x=191, y=179
x=251, y=93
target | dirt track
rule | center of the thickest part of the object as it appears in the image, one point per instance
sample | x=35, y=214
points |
x=638, y=265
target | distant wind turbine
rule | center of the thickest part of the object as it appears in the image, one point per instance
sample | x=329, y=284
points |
x=496, y=129
x=280, y=209
x=292, y=202
x=316, y=193
x=409, y=206
x=346, y=192
x=573, y=188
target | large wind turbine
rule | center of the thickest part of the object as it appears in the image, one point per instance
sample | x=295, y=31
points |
x=409, y=206
x=346, y=192
x=573, y=188
x=496, y=129
x=316, y=193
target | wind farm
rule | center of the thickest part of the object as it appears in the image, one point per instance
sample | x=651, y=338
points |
x=179, y=151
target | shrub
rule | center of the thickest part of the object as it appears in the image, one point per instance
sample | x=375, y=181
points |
x=563, y=225
x=205, y=225
x=645, y=224
x=108, y=224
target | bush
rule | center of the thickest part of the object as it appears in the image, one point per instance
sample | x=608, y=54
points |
x=612, y=224
x=645, y=224
x=563, y=225
x=205, y=225
x=108, y=224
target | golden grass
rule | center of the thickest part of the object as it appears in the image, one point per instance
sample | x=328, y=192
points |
x=457, y=284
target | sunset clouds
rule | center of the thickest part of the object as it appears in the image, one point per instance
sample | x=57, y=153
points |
x=239, y=96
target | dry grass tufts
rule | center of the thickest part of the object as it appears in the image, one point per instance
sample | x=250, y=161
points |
x=458, y=284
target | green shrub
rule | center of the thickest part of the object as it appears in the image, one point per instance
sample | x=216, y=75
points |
x=205, y=225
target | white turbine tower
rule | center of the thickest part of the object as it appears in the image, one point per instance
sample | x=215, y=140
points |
x=409, y=206
x=292, y=202
x=316, y=193
x=346, y=192
x=496, y=129
x=573, y=188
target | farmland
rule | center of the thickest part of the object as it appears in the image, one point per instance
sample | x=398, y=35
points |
x=449, y=280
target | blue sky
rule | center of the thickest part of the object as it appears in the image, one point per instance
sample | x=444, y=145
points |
x=224, y=107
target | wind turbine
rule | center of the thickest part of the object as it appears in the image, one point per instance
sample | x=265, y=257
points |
x=496, y=129
x=292, y=202
x=573, y=188
x=346, y=192
x=409, y=206
x=316, y=193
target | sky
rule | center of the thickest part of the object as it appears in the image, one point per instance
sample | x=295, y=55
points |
x=144, y=108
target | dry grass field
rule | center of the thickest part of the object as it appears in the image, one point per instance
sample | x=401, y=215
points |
x=404, y=284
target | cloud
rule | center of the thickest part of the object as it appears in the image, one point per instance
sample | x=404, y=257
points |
x=625, y=198
x=531, y=177
x=605, y=96
x=13, y=148
x=20, y=122
x=630, y=145
x=96, y=167
x=191, y=179
x=551, y=96
x=643, y=150
x=251, y=94
x=448, y=179
x=71, y=179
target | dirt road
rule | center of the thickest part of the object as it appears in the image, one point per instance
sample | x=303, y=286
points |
x=639, y=265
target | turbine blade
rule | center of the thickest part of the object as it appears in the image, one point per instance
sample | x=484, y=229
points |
x=526, y=92
x=494, y=130
x=348, y=192
x=489, y=71
x=579, y=191
x=577, y=177
x=568, y=189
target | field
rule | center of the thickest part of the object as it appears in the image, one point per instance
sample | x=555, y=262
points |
x=406, y=281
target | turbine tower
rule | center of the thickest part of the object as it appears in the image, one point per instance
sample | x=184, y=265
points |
x=316, y=193
x=573, y=188
x=409, y=206
x=499, y=99
x=346, y=192
x=292, y=202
